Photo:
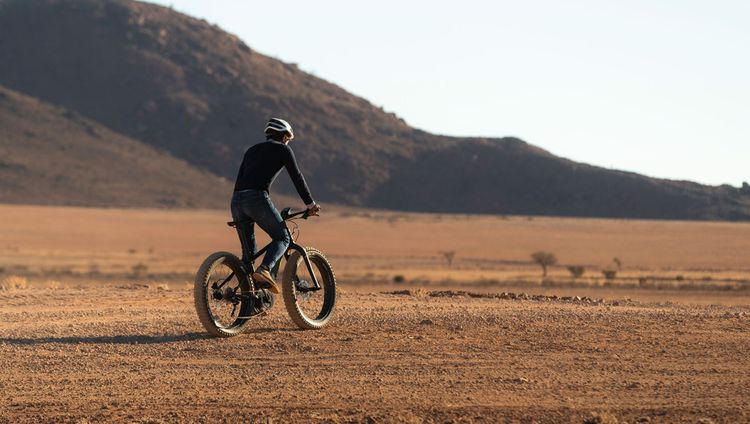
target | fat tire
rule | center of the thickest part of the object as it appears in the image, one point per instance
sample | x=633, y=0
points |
x=200, y=294
x=289, y=291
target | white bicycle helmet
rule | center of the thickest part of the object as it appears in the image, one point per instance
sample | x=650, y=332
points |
x=279, y=125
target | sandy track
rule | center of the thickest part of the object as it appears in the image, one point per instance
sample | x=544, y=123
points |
x=116, y=354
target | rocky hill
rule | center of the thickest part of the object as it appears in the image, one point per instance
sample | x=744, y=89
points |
x=186, y=87
x=54, y=156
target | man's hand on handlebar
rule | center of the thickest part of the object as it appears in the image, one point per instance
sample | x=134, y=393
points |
x=313, y=210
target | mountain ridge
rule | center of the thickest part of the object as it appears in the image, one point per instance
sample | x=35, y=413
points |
x=188, y=88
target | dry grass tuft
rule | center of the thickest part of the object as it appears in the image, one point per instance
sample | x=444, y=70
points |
x=52, y=284
x=13, y=282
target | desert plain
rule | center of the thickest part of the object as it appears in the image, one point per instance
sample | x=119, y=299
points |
x=440, y=318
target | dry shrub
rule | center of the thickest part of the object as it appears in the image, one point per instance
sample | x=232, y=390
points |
x=609, y=274
x=52, y=284
x=139, y=269
x=13, y=282
x=576, y=271
x=420, y=292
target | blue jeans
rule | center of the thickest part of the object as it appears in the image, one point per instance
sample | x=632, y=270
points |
x=255, y=205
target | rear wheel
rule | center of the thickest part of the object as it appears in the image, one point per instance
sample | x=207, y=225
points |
x=221, y=293
x=309, y=308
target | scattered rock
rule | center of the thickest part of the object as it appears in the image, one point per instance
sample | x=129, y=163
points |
x=600, y=418
x=509, y=295
x=400, y=292
x=427, y=322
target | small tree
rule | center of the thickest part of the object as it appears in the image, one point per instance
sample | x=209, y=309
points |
x=544, y=260
x=576, y=270
x=618, y=263
x=609, y=274
x=449, y=255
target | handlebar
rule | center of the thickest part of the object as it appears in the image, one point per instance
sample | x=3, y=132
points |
x=287, y=214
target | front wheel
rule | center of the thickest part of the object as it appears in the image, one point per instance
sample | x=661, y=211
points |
x=308, y=307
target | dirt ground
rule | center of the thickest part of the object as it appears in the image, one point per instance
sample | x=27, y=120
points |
x=138, y=354
x=97, y=322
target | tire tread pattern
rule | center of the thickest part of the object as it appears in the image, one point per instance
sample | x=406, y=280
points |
x=200, y=294
x=288, y=290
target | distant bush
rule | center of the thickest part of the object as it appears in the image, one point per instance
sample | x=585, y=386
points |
x=576, y=270
x=2, y=270
x=544, y=260
x=680, y=278
x=132, y=251
x=140, y=269
x=609, y=274
x=398, y=279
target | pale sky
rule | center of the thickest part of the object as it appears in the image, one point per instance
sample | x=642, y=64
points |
x=659, y=87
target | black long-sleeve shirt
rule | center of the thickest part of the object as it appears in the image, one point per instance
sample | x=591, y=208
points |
x=263, y=162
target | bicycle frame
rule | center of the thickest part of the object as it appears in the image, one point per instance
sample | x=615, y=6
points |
x=292, y=246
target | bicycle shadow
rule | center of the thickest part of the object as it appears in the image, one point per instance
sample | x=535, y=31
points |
x=129, y=339
x=133, y=339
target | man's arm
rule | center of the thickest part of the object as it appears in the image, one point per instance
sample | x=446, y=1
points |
x=290, y=163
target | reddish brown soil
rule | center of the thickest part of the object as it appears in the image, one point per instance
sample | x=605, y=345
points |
x=139, y=354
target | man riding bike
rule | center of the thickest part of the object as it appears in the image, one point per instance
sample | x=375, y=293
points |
x=250, y=201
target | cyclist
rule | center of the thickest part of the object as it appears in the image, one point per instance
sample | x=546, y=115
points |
x=250, y=201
